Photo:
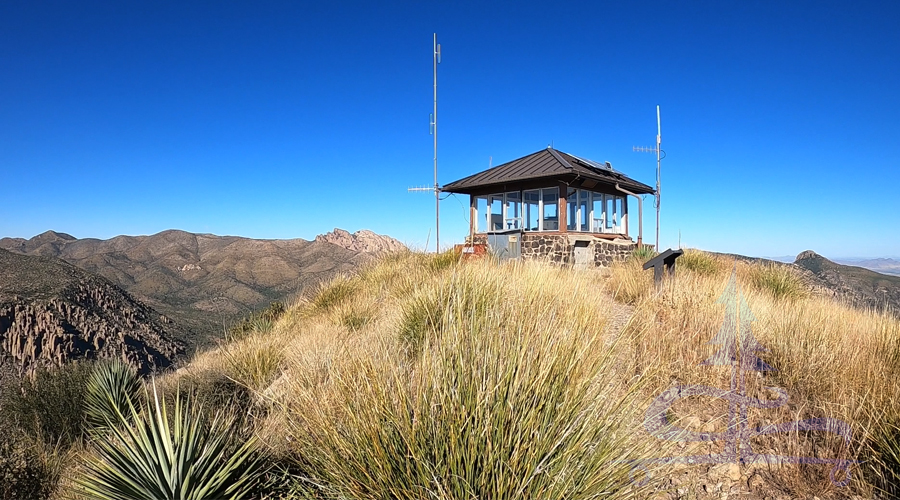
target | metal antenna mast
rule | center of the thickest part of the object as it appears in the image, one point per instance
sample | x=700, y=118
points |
x=659, y=156
x=436, y=188
x=658, y=159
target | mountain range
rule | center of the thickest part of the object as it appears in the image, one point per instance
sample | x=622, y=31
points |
x=202, y=282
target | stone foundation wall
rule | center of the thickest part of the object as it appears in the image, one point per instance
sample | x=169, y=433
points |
x=560, y=248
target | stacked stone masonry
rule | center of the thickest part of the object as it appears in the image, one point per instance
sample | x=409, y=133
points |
x=560, y=248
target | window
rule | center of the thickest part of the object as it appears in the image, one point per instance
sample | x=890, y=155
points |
x=620, y=211
x=513, y=219
x=572, y=209
x=584, y=201
x=532, y=210
x=551, y=203
x=597, y=210
x=610, y=214
x=495, y=218
x=481, y=204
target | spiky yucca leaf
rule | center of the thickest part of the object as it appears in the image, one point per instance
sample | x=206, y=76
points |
x=146, y=458
x=111, y=385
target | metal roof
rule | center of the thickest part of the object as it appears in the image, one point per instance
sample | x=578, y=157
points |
x=546, y=164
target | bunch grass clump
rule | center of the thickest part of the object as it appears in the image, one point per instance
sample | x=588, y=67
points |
x=699, y=262
x=513, y=393
x=781, y=281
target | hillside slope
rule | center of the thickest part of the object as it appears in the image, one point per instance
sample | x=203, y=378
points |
x=52, y=312
x=202, y=281
x=862, y=287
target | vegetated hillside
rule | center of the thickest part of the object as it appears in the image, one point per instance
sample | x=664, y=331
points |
x=883, y=265
x=862, y=287
x=499, y=379
x=853, y=285
x=205, y=282
x=423, y=376
x=52, y=312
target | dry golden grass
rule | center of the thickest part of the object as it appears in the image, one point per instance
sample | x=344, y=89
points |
x=833, y=360
x=423, y=376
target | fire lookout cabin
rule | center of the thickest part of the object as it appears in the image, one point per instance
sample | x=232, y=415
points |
x=554, y=206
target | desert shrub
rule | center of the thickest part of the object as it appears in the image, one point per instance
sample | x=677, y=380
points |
x=111, y=385
x=149, y=458
x=50, y=406
x=217, y=392
x=261, y=322
x=780, y=281
x=699, y=262
x=24, y=470
x=644, y=252
x=334, y=293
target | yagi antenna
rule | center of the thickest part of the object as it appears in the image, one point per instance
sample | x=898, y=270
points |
x=660, y=154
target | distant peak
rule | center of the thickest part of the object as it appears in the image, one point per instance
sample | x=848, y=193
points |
x=361, y=241
x=51, y=234
x=809, y=255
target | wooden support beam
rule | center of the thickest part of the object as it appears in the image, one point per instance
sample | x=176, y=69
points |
x=473, y=217
x=563, y=208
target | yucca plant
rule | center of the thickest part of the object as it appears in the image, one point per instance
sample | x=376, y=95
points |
x=147, y=458
x=110, y=387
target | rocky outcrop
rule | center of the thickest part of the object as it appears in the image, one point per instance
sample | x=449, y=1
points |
x=364, y=241
x=855, y=285
x=52, y=312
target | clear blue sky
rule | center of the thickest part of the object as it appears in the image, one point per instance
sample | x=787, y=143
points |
x=287, y=119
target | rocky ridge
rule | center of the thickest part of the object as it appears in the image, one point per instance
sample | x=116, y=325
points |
x=52, y=312
x=361, y=241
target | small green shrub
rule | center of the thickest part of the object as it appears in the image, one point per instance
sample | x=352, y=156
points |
x=644, y=252
x=699, y=262
x=24, y=472
x=50, y=406
x=110, y=387
x=261, y=322
x=780, y=281
x=218, y=393
x=149, y=458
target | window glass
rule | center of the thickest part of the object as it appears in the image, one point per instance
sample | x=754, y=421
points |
x=551, y=202
x=610, y=211
x=496, y=218
x=532, y=209
x=598, y=213
x=584, y=211
x=513, y=210
x=481, y=205
x=620, y=210
x=571, y=209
